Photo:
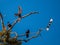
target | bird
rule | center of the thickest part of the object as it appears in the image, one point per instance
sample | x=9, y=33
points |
x=9, y=25
x=27, y=33
x=19, y=12
x=49, y=24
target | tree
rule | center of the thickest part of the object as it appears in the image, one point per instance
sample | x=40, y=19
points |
x=5, y=37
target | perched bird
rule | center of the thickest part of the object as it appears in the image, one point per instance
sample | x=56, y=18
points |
x=19, y=15
x=27, y=33
x=9, y=25
x=19, y=12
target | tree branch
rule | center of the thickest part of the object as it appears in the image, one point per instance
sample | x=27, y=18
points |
x=2, y=22
x=19, y=19
x=35, y=12
x=37, y=34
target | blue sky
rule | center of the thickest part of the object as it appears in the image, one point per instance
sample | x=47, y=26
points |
x=47, y=8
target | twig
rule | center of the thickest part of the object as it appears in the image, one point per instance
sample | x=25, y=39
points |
x=2, y=21
x=19, y=19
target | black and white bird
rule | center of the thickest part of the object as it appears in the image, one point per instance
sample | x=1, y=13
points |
x=49, y=24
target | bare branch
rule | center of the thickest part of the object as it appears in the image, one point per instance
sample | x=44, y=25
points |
x=37, y=34
x=20, y=10
x=30, y=14
x=3, y=26
x=19, y=19
x=14, y=24
x=15, y=34
x=2, y=20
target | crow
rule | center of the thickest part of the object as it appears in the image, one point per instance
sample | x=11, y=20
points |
x=9, y=25
x=27, y=33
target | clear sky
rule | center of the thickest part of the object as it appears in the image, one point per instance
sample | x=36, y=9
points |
x=47, y=8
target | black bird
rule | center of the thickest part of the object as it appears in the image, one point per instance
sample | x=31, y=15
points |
x=19, y=12
x=9, y=25
x=19, y=15
x=27, y=33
